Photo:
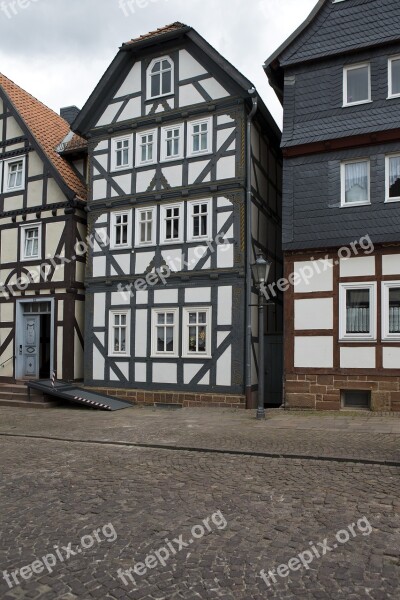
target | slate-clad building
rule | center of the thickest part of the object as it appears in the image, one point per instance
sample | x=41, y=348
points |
x=338, y=77
x=185, y=181
x=42, y=217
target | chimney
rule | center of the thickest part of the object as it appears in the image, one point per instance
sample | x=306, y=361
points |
x=69, y=113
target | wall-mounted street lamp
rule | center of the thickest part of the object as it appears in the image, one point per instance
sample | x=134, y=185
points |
x=261, y=270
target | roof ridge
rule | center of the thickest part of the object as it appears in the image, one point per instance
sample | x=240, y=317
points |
x=159, y=31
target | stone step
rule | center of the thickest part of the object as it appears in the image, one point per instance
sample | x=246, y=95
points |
x=26, y=404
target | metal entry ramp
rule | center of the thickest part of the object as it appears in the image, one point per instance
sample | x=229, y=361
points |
x=77, y=395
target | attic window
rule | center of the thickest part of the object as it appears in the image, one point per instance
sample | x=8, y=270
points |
x=14, y=175
x=160, y=75
x=357, y=84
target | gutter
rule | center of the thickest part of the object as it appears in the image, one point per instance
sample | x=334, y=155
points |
x=249, y=196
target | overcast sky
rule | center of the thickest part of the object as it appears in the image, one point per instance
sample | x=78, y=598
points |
x=58, y=49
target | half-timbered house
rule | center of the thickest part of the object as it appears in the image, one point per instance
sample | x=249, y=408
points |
x=338, y=77
x=185, y=189
x=42, y=217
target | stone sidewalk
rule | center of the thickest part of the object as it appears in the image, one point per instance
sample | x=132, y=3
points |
x=357, y=437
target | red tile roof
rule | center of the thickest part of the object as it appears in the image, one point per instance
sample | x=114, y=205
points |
x=48, y=129
x=161, y=31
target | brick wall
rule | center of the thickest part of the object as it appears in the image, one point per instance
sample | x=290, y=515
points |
x=323, y=392
x=183, y=398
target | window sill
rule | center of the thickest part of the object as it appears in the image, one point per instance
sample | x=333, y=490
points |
x=144, y=245
x=170, y=242
x=168, y=95
x=118, y=169
x=391, y=200
x=387, y=340
x=357, y=103
x=354, y=204
x=165, y=356
x=393, y=97
x=172, y=159
x=13, y=190
x=196, y=356
x=148, y=163
x=119, y=356
x=31, y=258
x=354, y=340
x=202, y=153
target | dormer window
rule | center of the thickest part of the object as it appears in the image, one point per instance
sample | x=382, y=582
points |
x=160, y=76
x=357, y=84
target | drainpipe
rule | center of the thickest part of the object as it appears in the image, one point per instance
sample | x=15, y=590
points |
x=249, y=196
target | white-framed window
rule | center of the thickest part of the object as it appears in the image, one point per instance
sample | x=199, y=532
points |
x=121, y=229
x=196, y=332
x=199, y=215
x=355, y=182
x=356, y=84
x=31, y=241
x=394, y=77
x=171, y=223
x=119, y=333
x=14, y=175
x=357, y=306
x=122, y=153
x=393, y=178
x=145, y=222
x=146, y=147
x=160, y=77
x=172, y=142
x=391, y=310
x=199, y=137
x=165, y=327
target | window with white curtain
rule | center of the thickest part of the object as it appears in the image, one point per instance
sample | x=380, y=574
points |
x=394, y=77
x=393, y=178
x=357, y=311
x=30, y=242
x=196, y=330
x=165, y=332
x=357, y=84
x=355, y=182
x=391, y=310
x=119, y=333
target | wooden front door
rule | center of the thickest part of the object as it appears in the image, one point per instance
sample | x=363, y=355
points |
x=31, y=346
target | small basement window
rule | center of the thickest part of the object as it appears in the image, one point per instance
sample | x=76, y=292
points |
x=356, y=399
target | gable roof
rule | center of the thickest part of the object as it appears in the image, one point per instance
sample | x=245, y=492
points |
x=334, y=28
x=157, y=37
x=48, y=129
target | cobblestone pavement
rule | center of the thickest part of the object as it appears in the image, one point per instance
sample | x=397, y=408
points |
x=355, y=437
x=52, y=493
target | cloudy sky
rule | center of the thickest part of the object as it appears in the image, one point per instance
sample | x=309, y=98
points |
x=58, y=49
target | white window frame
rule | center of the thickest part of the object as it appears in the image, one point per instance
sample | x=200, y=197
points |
x=386, y=335
x=138, y=211
x=114, y=141
x=7, y=163
x=33, y=225
x=190, y=135
x=345, y=72
x=149, y=76
x=164, y=130
x=185, y=327
x=357, y=337
x=111, y=323
x=390, y=77
x=113, y=241
x=139, y=162
x=190, y=217
x=387, y=178
x=157, y=353
x=343, y=164
x=163, y=229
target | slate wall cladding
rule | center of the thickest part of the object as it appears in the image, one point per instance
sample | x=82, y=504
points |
x=313, y=99
x=312, y=215
x=344, y=27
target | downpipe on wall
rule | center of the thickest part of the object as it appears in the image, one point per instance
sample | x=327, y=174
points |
x=249, y=196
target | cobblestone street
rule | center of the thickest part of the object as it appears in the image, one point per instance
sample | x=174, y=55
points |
x=54, y=492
